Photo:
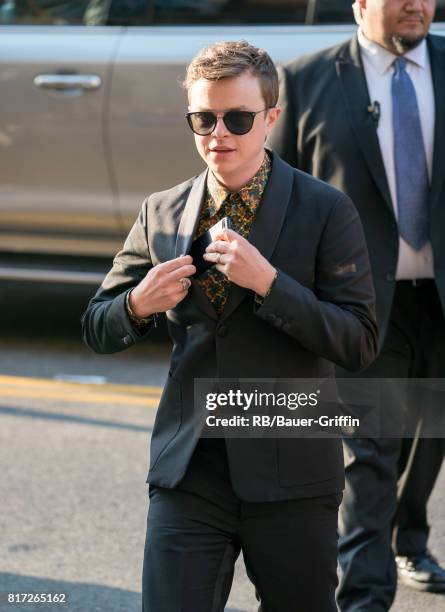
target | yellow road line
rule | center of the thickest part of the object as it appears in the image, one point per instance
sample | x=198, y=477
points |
x=45, y=382
x=42, y=388
x=95, y=398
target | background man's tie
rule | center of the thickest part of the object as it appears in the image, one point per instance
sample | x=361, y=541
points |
x=410, y=160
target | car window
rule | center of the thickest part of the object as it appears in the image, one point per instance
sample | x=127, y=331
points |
x=131, y=12
x=177, y=12
x=230, y=11
x=333, y=11
x=54, y=12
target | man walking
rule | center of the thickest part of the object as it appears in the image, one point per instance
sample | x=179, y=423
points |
x=368, y=116
x=288, y=293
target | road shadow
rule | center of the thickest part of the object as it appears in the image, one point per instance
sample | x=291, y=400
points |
x=70, y=418
x=35, y=310
x=80, y=597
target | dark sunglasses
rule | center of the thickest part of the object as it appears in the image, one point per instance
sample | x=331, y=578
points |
x=238, y=122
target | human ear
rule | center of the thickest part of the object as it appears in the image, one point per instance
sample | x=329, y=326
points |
x=271, y=117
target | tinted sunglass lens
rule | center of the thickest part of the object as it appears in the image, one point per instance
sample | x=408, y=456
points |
x=202, y=123
x=239, y=122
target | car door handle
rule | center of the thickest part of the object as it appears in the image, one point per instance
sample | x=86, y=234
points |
x=68, y=82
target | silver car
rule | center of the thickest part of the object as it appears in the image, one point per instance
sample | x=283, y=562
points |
x=92, y=113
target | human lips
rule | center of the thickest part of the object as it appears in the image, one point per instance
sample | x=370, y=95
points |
x=413, y=19
x=221, y=150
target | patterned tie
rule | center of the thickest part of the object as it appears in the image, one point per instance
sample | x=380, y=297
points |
x=214, y=283
x=241, y=207
x=410, y=161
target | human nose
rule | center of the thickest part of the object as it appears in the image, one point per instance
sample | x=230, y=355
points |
x=415, y=6
x=220, y=127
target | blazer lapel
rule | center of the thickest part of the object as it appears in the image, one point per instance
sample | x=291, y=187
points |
x=186, y=230
x=437, y=60
x=190, y=215
x=268, y=222
x=356, y=98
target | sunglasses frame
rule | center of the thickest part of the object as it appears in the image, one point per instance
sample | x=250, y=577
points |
x=222, y=116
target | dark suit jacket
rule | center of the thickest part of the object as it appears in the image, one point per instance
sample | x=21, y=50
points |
x=319, y=311
x=325, y=129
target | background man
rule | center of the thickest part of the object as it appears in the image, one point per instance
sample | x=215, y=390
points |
x=290, y=293
x=368, y=116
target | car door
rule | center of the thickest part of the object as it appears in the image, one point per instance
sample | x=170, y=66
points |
x=56, y=193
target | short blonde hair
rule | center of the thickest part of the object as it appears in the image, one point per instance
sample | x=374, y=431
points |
x=229, y=59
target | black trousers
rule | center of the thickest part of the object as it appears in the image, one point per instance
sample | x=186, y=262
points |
x=389, y=481
x=195, y=533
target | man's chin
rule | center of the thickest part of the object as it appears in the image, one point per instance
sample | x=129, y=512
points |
x=221, y=165
x=403, y=44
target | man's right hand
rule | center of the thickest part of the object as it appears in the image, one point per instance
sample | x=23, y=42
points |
x=162, y=288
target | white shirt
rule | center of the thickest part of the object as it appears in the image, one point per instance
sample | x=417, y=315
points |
x=378, y=67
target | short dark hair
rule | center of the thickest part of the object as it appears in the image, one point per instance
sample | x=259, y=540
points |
x=229, y=59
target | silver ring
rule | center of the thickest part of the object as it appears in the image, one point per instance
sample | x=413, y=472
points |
x=185, y=282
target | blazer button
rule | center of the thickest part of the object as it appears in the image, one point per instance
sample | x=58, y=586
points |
x=271, y=317
x=222, y=331
x=390, y=277
x=278, y=321
x=127, y=340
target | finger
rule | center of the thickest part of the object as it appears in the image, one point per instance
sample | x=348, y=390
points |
x=213, y=257
x=178, y=297
x=185, y=283
x=218, y=246
x=222, y=268
x=174, y=264
x=183, y=271
x=228, y=235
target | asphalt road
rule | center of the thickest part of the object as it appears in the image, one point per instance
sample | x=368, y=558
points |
x=74, y=432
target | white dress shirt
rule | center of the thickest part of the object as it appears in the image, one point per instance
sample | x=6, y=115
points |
x=378, y=67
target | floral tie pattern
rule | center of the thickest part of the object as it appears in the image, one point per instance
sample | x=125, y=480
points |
x=241, y=207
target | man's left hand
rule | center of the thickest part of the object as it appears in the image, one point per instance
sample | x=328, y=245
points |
x=241, y=262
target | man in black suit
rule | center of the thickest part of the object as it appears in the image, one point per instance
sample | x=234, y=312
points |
x=289, y=294
x=368, y=116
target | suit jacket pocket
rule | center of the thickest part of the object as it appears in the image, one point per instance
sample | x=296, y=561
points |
x=168, y=419
x=305, y=461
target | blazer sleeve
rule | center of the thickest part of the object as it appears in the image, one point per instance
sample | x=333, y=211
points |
x=284, y=137
x=336, y=319
x=106, y=327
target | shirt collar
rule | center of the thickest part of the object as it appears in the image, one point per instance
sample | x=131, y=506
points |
x=255, y=187
x=382, y=59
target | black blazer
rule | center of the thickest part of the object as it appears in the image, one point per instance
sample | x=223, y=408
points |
x=325, y=129
x=319, y=311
